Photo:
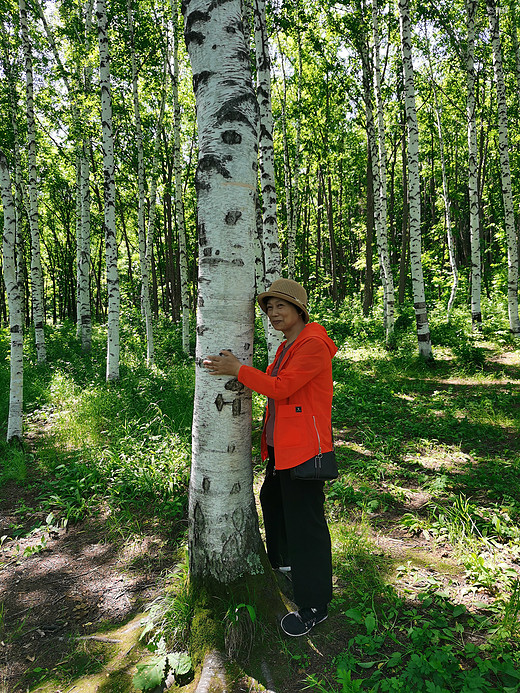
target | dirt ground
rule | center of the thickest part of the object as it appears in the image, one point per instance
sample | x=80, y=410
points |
x=61, y=585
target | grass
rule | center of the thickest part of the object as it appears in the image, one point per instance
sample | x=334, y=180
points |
x=425, y=517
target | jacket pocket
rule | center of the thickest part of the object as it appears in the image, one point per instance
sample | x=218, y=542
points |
x=293, y=427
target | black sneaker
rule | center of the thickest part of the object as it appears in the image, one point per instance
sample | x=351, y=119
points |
x=301, y=622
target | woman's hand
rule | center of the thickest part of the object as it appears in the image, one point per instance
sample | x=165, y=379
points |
x=226, y=363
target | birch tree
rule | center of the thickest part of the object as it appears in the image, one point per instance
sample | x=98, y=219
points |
x=112, y=369
x=82, y=144
x=414, y=197
x=179, y=206
x=270, y=244
x=14, y=299
x=37, y=289
x=445, y=190
x=389, y=291
x=505, y=171
x=224, y=540
x=474, y=225
x=144, y=252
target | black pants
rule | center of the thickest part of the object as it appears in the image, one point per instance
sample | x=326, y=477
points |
x=296, y=533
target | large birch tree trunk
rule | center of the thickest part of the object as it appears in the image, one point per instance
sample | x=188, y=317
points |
x=14, y=299
x=474, y=226
x=414, y=196
x=38, y=307
x=505, y=170
x=112, y=370
x=224, y=540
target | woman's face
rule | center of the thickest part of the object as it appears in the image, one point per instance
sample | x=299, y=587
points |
x=282, y=314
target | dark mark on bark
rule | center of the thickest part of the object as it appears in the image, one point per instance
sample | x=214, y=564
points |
x=232, y=217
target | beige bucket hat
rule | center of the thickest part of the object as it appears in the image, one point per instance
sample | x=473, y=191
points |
x=289, y=291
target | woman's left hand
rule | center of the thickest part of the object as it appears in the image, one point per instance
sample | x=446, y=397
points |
x=226, y=363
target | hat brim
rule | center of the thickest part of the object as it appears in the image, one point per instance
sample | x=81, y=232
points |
x=262, y=302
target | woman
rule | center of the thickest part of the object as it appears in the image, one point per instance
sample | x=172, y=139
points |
x=298, y=385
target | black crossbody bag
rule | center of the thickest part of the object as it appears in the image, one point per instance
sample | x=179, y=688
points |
x=321, y=467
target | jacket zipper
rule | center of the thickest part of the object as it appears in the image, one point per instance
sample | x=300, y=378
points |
x=317, y=459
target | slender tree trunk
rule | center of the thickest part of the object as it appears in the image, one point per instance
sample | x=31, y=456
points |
x=38, y=296
x=224, y=540
x=12, y=285
x=179, y=206
x=445, y=193
x=270, y=244
x=113, y=348
x=141, y=192
x=414, y=194
x=291, y=238
x=405, y=234
x=368, y=293
x=144, y=251
x=388, y=279
x=154, y=173
x=505, y=170
x=332, y=240
x=473, y=192
x=83, y=269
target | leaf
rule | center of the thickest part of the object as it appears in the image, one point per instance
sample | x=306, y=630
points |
x=370, y=624
x=180, y=663
x=150, y=675
x=459, y=610
x=395, y=659
x=354, y=615
x=367, y=665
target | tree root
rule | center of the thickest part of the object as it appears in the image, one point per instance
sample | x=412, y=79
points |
x=213, y=674
x=214, y=677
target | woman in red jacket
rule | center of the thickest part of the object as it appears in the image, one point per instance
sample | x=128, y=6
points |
x=298, y=385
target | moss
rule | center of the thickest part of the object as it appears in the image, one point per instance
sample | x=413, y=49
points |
x=215, y=607
x=207, y=634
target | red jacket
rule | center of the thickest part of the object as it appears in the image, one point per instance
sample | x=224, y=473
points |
x=302, y=391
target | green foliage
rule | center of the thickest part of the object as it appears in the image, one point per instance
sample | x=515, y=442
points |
x=125, y=446
x=153, y=673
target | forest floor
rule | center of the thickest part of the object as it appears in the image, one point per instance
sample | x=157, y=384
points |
x=74, y=595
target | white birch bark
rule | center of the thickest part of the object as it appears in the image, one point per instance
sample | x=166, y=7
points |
x=14, y=299
x=83, y=314
x=445, y=190
x=179, y=206
x=291, y=270
x=7, y=65
x=113, y=348
x=37, y=288
x=270, y=242
x=150, y=353
x=374, y=158
x=224, y=539
x=474, y=225
x=144, y=251
x=447, y=209
x=505, y=170
x=516, y=45
x=83, y=268
x=414, y=197
x=79, y=241
x=381, y=149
